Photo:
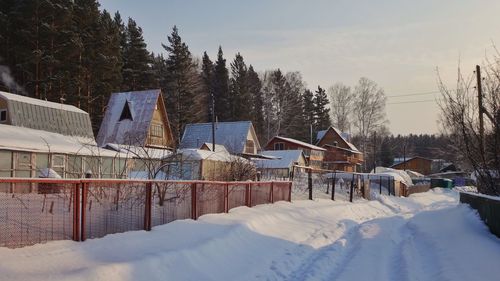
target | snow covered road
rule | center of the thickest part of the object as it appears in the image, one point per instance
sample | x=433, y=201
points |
x=428, y=236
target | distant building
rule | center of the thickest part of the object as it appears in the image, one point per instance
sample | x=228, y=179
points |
x=340, y=155
x=282, y=164
x=314, y=154
x=136, y=118
x=418, y=164
x=238, y=137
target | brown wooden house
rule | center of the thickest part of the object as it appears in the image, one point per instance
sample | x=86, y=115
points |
x=418, y=164
x=136, y=119
x=340, y=154
x=314, y=154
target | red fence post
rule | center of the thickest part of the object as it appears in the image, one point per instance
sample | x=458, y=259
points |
x=248, y=195
x=226, y=197
x=194, y=214
x=272, y=193
x=147, y=207
x=290, y=192
x=76, y=212
x=84, y=211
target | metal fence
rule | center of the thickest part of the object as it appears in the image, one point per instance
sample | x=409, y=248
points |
x=309, y=183
x=40, y=210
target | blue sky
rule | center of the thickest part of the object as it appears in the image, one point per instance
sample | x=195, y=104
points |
x=398, y=44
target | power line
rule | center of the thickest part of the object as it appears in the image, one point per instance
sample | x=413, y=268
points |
x=404, y=102
x=414, y=94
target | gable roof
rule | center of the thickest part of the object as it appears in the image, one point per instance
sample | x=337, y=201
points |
x=129, y=131
x=283, y=159
x=297, y=142
x=208, y=146
x=47, y=116
x=26, y=139
x=400, y=160
x=233, y=135
x=343, y=136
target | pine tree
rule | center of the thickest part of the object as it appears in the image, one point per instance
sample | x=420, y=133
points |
x=257, y=102
x=136, y=72
x=207, y=75
x=239, y=94
x=184, y=86
x=308, y=113
x=321, y=109
x=221, y=87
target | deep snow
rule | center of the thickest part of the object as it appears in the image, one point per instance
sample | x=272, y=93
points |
x=428, y=236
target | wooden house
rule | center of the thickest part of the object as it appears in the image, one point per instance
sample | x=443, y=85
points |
x=314, y=154
x=238, y=137
x=340, y=154
x=418, y=164
x=138, y=119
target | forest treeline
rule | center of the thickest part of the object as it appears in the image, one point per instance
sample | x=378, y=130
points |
x=72, y=52
x=75, y=53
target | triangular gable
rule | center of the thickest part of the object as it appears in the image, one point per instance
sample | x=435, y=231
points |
x=334, y=133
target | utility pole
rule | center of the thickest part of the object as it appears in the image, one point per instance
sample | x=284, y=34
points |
x=213, y=122
x=480, y=104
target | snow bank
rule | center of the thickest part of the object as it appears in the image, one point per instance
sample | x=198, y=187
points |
x=427, y=236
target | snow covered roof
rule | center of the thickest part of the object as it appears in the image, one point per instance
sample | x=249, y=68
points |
x=301, y=143
x=201, y=154
x=47, y=116
x=209, y=146
x=233, y=135
x=399, y=160
x=284, y=159
x=25, y=139
x=137, y=108
x=343, y=136
x=139, y=151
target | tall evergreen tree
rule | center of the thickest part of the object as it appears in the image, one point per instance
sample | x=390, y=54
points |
x=321, y=109
x=239, y=94
x=308, y=114
x=183, y=85
x=136, y=72
x=207, y=75
x=221, y=87
x=257, y=102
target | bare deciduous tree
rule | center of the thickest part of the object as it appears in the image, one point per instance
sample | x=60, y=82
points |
x=341, y=105
x=368, y=109
x=460, y=119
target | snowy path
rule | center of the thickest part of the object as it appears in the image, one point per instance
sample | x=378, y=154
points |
x=425, y=237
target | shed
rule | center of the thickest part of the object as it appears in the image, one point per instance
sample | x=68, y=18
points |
x=282, y=164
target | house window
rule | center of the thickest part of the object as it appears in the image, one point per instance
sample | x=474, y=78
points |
x=249, y=147
x=58, y=164
x=3, y=115
x=156, y=130
x=126, y=113
x=279, y=146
